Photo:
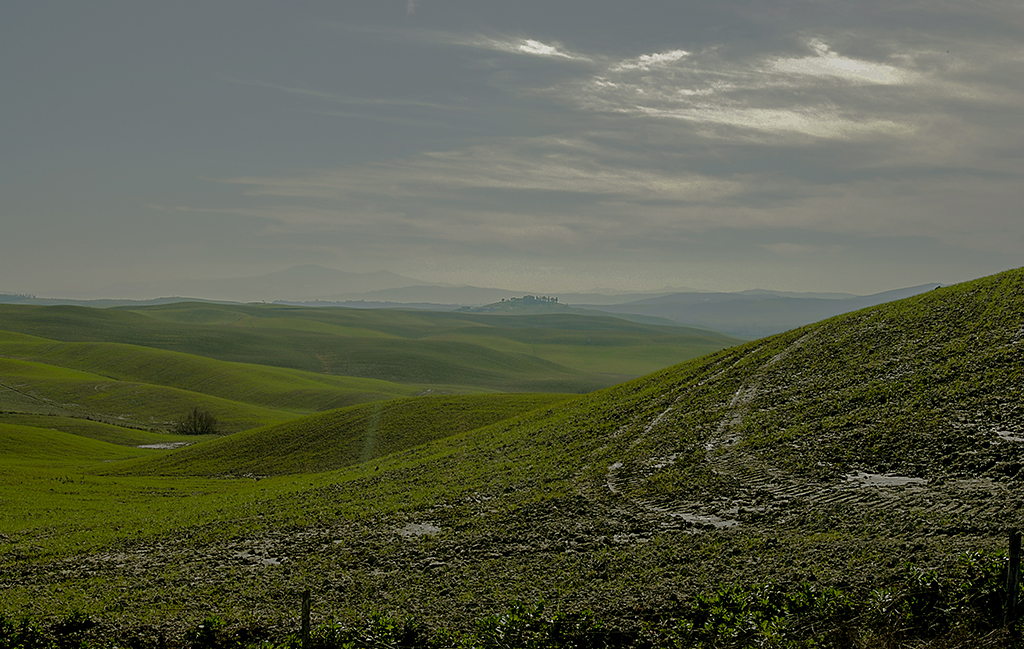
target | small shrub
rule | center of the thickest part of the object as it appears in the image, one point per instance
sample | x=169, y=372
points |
x=197, y=422
x=530, y=627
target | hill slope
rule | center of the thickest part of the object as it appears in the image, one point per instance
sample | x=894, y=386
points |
x=821, y=459
x=542, y=353
x=339, y=438
x=753, y=314
x=138, y=387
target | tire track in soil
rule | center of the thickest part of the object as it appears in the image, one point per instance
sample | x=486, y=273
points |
x=764, y=490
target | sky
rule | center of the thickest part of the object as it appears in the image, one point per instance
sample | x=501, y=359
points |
x=553, y=145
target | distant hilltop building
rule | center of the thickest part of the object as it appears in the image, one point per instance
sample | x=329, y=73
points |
x=530, y=299
x=12, y=297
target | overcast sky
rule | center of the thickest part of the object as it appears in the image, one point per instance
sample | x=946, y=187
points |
x=555, y=145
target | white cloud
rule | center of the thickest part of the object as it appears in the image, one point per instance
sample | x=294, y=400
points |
x=536, y=47
x=816, y=122
x=809, y=96
x=828, y=64
x=527, y=46
x=648, y=61
x=629, y=173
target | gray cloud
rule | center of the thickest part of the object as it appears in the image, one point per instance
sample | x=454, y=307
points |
x=889, y=112
x=588, y=142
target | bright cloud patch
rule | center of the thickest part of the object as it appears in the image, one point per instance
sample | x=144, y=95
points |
x=813, y=96
x=531, y=47
x=813, y=122
x=830, y=64
x=648, y=61
x=526, y=46
x=540, y=49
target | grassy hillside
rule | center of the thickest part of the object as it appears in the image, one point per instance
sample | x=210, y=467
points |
x=143, y=369
x=537, y=353
x=135, y=387
x=97, y=430
x=340, y=438
x=844, y=484
x=271, y=387
x=43, y=389
x=35, y=446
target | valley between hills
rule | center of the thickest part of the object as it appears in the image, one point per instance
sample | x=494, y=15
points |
x=452, y=479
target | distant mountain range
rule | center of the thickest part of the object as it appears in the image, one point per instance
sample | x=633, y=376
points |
x=747, y=314
x=753, y=314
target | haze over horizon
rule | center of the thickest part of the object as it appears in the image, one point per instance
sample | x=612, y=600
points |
x=827, y=146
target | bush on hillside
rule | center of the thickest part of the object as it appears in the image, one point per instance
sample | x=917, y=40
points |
x=197, y=422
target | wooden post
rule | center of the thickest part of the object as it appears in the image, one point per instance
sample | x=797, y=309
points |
x=305, y=619
x=1013, y=578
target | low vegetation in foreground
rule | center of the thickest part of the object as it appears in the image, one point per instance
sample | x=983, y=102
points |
x=847, y=484
x=965, y=608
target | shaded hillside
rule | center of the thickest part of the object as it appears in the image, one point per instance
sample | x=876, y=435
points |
x=819, y=461
x=753, y=314
x=530, y=304
x=540, y=353
x=339, y=438
x=273, y=387
x=41, y=389
x=133, y=387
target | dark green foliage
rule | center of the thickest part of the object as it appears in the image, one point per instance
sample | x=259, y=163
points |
x=197, y=422
x=927, y=607
x=532, y=627
x=930, y=604
x=68, y=633
x=214, y=633
x=376, y=631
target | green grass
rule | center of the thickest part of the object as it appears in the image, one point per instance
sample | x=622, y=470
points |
x=269, y=387
x=56, y=449
x=45, y=484
x=340, y=438
x=530, y=353
x=96, y=430
x=519, y=492
x=39, y=388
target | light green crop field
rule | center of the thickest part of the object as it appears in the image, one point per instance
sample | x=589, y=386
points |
x=126, y=376
x=46, y=483
x=475, y=352
x=40, y=388
x=97, y=430
x=339, y=438
x=270, y=387
x=810, y=466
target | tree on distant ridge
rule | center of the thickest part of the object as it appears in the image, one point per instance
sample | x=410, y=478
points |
x=197, y=422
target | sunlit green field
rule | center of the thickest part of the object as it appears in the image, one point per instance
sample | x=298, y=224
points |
x=50, y=492
x=777, y=492
x=465, y=352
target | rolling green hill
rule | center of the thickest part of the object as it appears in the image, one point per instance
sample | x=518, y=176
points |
x=143, y=368
x=270, y=387
x=138, y=387
x=113, y=434
x=844, y=484
x=49, y=448
x=339, y=438
x=472, y=352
